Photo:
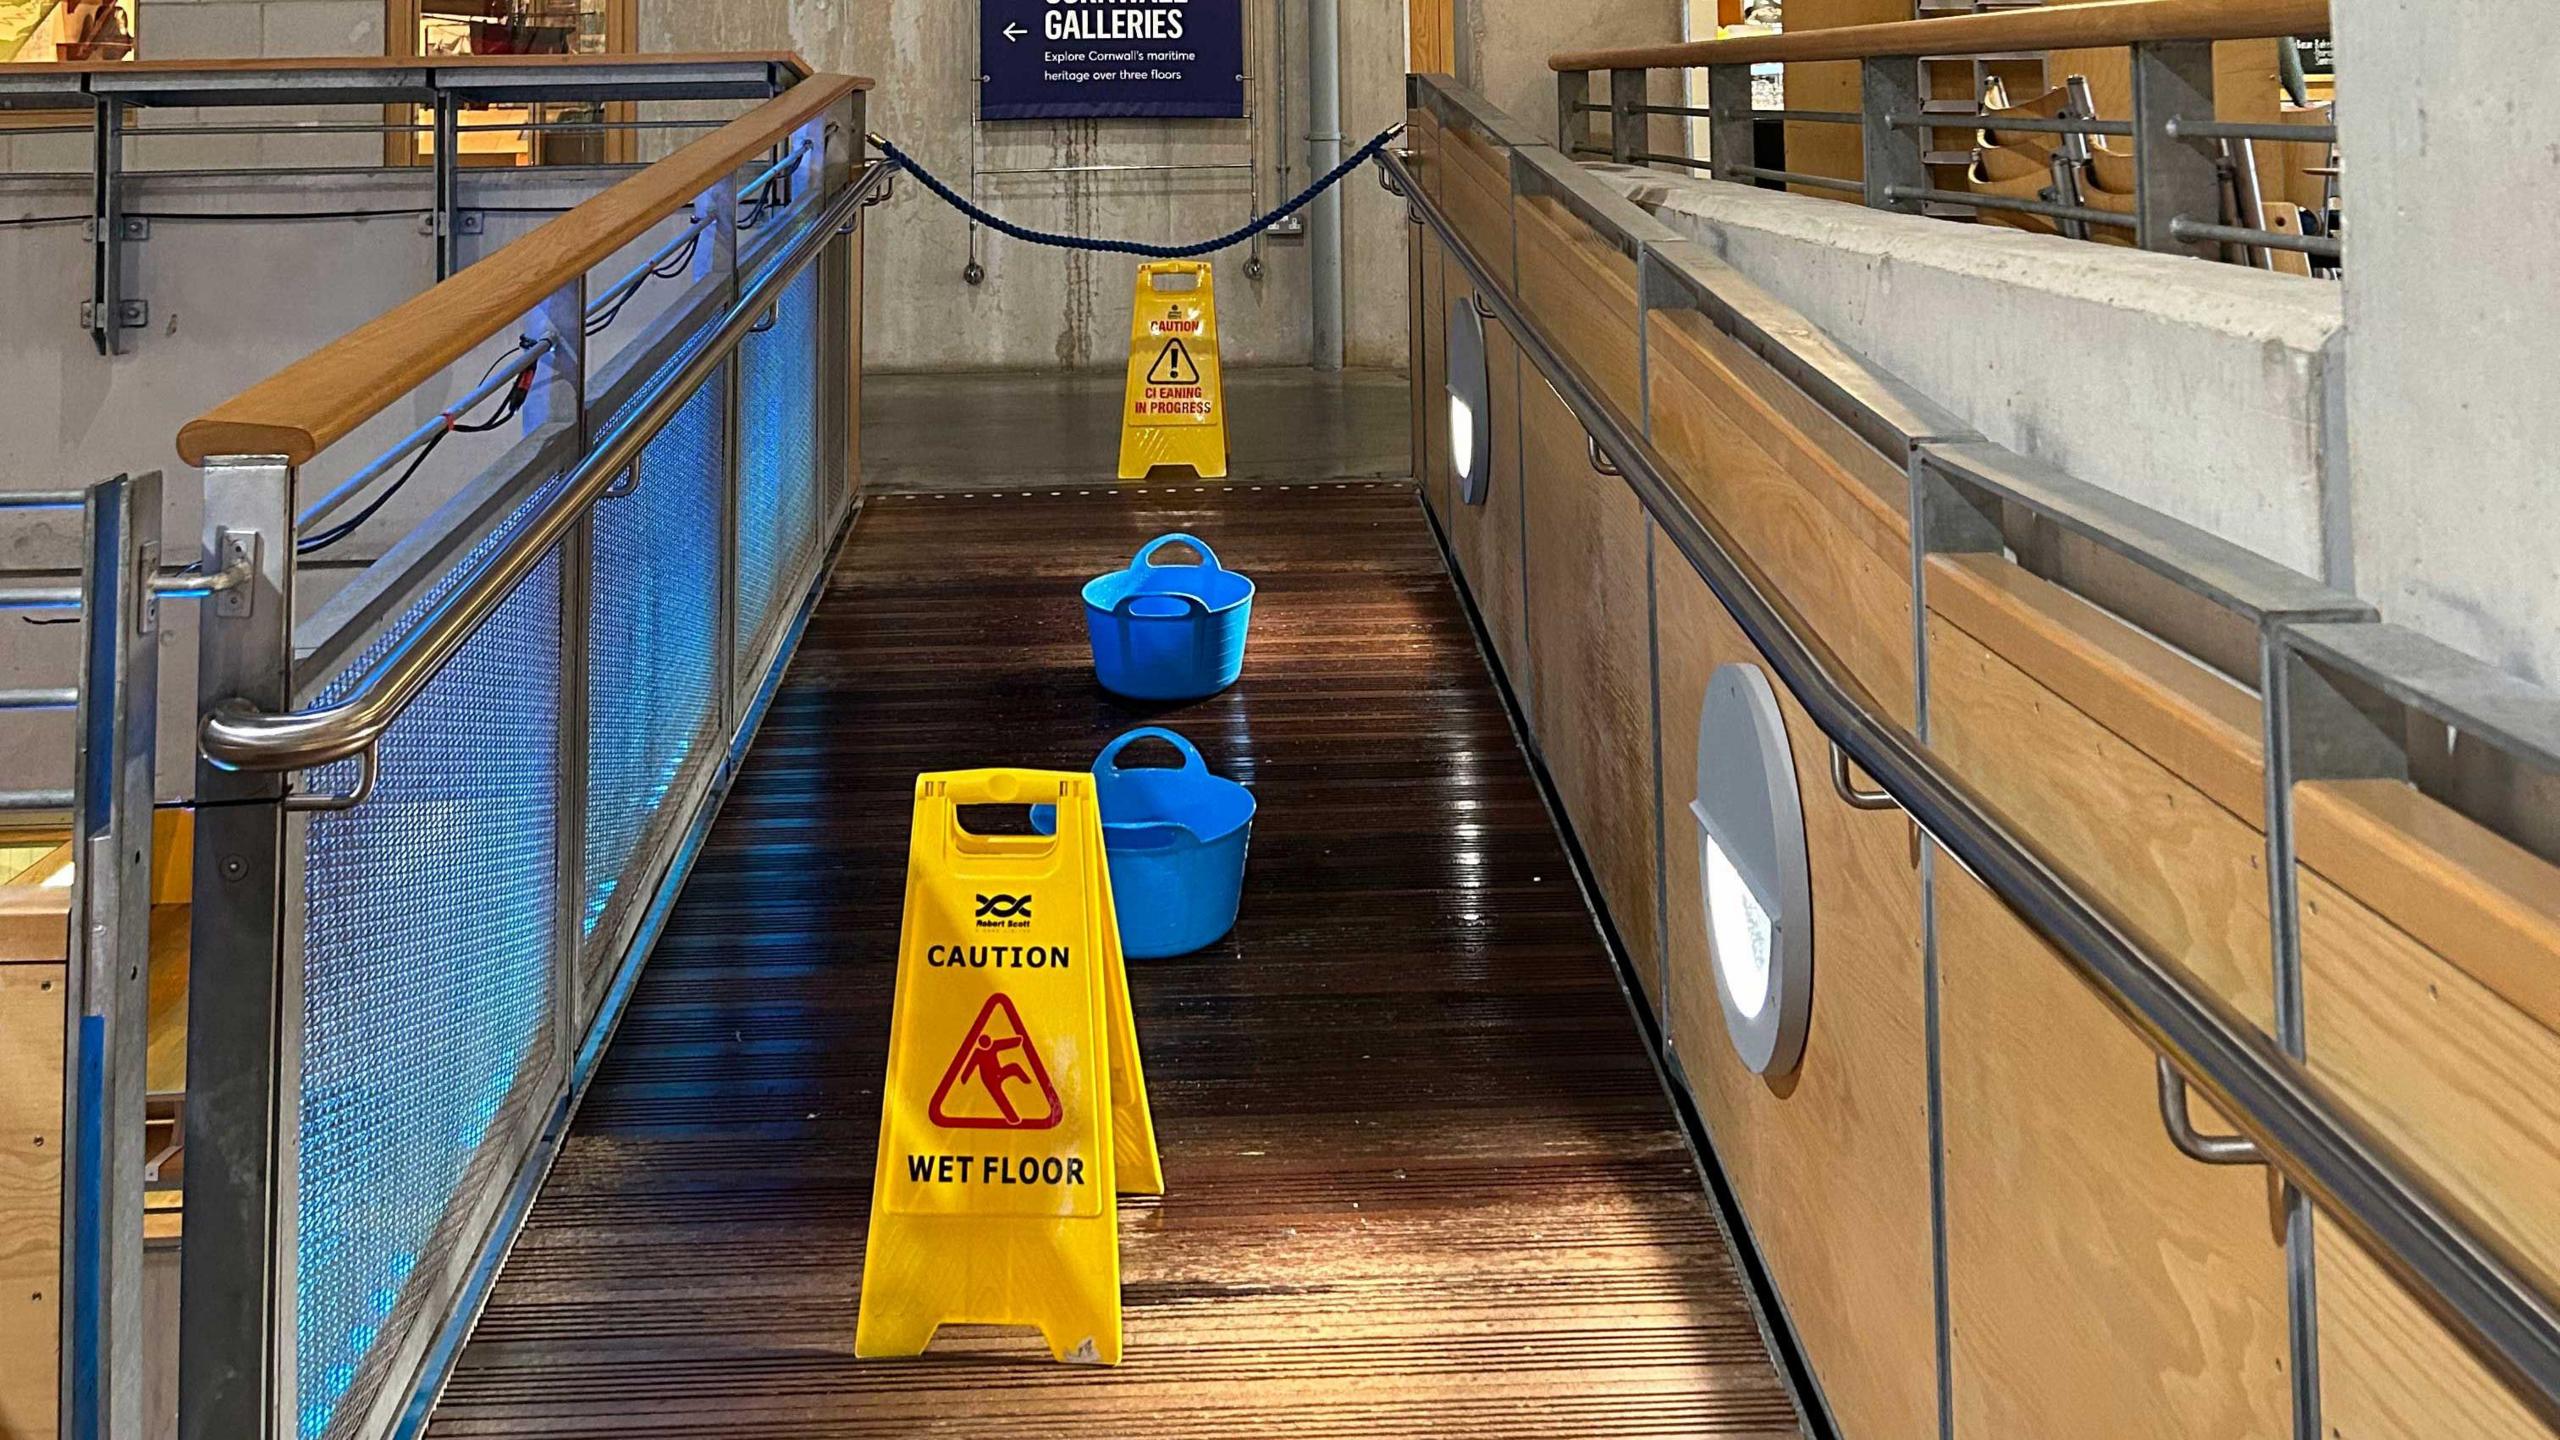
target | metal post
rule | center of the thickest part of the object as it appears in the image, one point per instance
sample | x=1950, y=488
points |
x=1896, y=158
x=1626, y=121
x=732, y=626
x=105, y=311
x=2172, y=81
x=1573, y=122
x=1729, y=124
x=107, y=1002
x=448, y=184
x=558, y=401
x=235, y=1326
x=1324, y=151
x=2313, y=730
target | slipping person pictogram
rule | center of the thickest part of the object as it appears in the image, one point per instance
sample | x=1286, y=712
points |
x=988, y=1061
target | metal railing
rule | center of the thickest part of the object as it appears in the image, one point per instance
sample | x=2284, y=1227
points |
x=2499, y=1304
x=513, y=731
x=113, y=96
x=106, y=991
x=2193, y=174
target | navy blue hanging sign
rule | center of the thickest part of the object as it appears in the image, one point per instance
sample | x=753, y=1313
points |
x=1099, y=59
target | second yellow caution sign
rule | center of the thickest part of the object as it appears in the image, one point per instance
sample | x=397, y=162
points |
x=1015, y=1109
x=1176, y=413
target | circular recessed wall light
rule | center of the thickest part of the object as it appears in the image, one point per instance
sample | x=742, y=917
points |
x=1752, y=870
x=1470, y=401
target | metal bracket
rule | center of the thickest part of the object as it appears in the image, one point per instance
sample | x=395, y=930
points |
x=232, y=594
x=304, y=802
x=1850, y=795
x=129, y=228
x=1599, y=462
x=130, y=315
x=465, y=222
x=2194, y=1144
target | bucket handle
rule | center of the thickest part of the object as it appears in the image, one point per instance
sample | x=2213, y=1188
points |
x=1145, y=558
x=1127, y=610
x=1107, y=764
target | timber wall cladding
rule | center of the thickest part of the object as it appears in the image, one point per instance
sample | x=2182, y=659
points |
x=2091, y=1270
x=30, y=1194
x=1590, y=633
x=1831, y=1165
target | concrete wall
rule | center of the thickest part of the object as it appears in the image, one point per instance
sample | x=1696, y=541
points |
x=2208, y=392
x=1503, y=47
x=1040, y=308
x=2456, y=322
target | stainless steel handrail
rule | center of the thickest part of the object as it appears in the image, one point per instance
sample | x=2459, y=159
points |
x=2472, y=1281
x=239, y=736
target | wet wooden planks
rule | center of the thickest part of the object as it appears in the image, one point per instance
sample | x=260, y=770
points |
x=1423, y=1179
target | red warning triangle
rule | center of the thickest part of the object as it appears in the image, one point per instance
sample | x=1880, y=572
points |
x=996, y=1052
x=1174, y=366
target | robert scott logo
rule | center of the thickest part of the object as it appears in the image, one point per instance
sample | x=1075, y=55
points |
x=1004, y=912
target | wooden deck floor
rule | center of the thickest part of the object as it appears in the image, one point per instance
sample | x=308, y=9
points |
x=1423, y=1180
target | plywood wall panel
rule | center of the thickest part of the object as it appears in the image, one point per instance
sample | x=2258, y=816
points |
x=1809, y=522
x=1582, y=289
x=2464, y=1083
x=1590, y=642
x=2186, y=874
x=1487, y=538
x=2092, y=1270
x=2389, y=1372
x=1431, y=384
x=1476, y=188
x=30, y=1195
x=1831, y=1164
x=1417, y=303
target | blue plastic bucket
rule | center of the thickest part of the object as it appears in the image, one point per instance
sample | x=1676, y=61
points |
x=1175, y=840
x=1168, y=632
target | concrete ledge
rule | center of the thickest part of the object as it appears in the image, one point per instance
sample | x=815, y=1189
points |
x=2208, y=392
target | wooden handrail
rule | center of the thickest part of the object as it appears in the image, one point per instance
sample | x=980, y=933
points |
x=798, y=68
x=314, y=402
x=2054, y=27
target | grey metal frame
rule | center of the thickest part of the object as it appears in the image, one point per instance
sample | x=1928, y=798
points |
x=237, y=1347
x=2179, y=159
x=106, y=999
x=2468, y=1277
x=109, y=93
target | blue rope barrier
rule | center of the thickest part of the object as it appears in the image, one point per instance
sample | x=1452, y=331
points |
x=1234, y=237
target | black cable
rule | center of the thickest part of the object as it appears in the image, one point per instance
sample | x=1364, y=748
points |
x=666, y=269
x=1233, y=237
x=508, y=409
x=29, y=222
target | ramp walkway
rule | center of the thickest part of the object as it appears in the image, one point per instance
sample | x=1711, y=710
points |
x=1423, y=1178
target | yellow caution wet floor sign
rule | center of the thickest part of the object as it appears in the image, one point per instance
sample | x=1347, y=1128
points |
x=1176, y=413
x=1015, y=1109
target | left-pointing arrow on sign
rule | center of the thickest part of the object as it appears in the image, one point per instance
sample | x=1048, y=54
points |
x=1014, y=32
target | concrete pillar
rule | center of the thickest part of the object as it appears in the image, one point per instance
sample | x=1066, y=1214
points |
x=2452, y=149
